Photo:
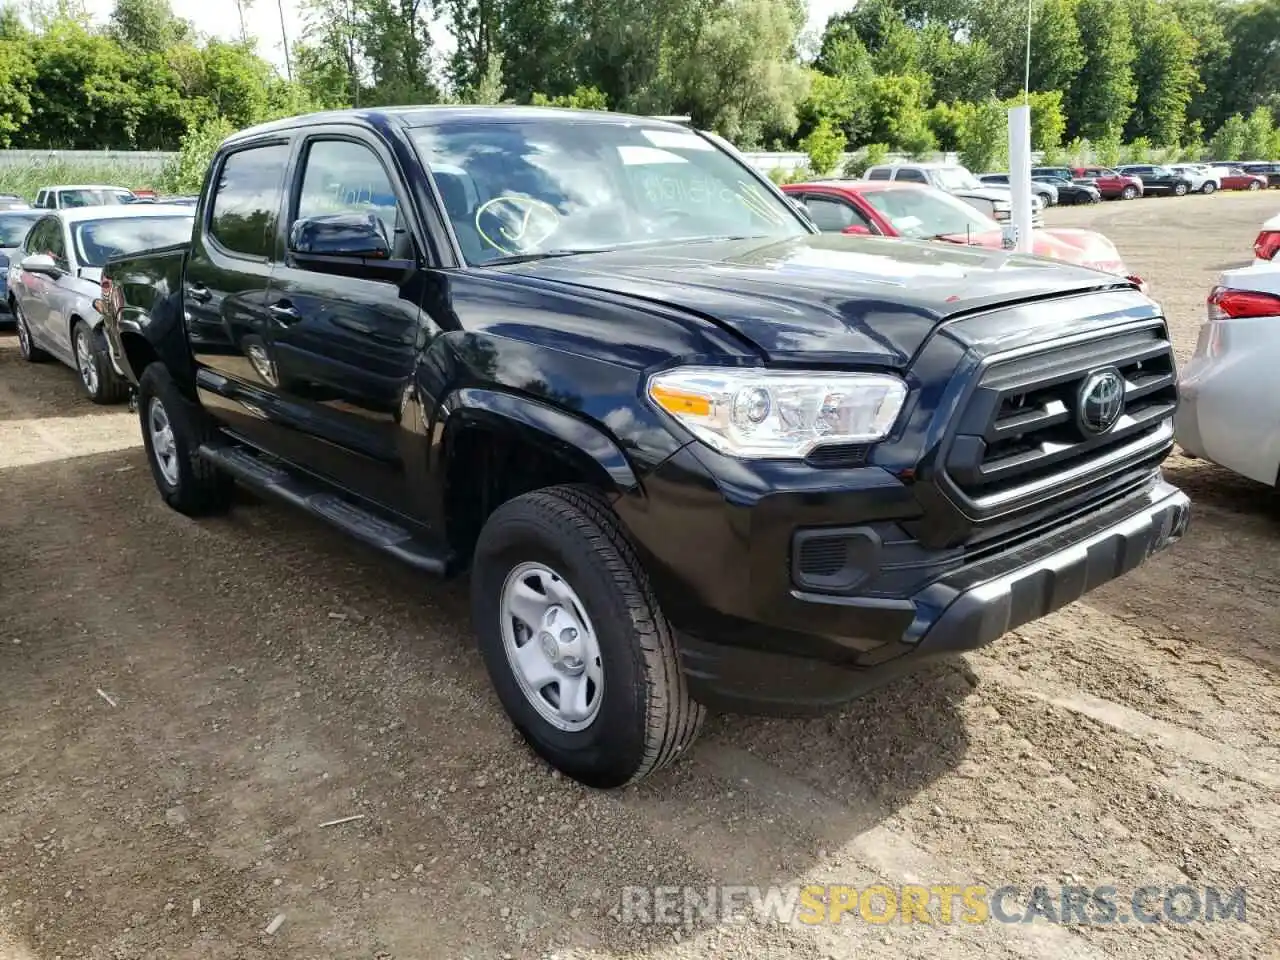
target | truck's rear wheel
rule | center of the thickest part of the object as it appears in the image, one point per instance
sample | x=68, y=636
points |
x=172, y=430
x=580, y=654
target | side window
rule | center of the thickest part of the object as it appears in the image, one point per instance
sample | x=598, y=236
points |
x=40, y=198
x=831, y=215
x=246, y=200
x=912, y=175
x=57, y=238
x=340, y=176
x=879, y=173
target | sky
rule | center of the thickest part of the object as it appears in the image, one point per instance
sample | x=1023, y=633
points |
x=219, y=18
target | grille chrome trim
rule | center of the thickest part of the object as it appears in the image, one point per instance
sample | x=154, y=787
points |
x=1065, y=481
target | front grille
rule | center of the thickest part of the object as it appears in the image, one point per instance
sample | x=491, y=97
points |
x=1026, y=433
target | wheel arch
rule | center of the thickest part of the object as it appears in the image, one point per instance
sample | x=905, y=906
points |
x=496, y=445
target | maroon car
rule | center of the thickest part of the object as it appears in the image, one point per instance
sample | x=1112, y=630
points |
x=1112, y=185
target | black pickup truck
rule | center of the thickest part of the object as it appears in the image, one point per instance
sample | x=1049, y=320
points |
x=693, y=453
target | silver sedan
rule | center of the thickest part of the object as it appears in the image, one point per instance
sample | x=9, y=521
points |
x=54, y=283
x=1229, y=408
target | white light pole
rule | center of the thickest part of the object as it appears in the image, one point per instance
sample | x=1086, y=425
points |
x=1020, y=156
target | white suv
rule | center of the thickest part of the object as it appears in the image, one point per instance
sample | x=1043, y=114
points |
x=993, y=200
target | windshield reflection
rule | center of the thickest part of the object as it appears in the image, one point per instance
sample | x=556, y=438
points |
x=519, y=188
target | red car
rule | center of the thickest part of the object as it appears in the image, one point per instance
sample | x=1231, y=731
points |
x=1234, y=178
x=892, y=208
x=1111, y=185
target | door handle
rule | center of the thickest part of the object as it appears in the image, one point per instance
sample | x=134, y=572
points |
x=199, y=292
x=284, y=312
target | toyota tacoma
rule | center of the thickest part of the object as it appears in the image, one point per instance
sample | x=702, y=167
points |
x=692, y=453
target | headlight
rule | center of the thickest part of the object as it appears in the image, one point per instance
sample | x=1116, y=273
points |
x=779, y=414
x=1001, y=206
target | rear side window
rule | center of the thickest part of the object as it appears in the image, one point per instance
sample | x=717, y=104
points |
x=831, y=215
x=911, y=175
x=246, y=200
x=879, y=173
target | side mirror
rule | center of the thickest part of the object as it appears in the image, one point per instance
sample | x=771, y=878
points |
x=42, y=264
x=860, y=229
x=355, y=235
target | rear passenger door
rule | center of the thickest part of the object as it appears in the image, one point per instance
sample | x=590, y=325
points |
x=344, y=334
x=227, y=284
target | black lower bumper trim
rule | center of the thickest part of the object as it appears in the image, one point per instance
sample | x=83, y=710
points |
x=963, y=611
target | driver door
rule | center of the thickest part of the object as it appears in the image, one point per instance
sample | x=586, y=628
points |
x=342, y=340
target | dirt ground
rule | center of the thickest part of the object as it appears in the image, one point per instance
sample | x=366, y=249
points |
x=268, y=676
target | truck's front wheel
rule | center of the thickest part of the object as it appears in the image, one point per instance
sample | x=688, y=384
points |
x=172, y=430
x=579, y=652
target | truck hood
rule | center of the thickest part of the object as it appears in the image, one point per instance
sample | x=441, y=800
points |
x=822, y=297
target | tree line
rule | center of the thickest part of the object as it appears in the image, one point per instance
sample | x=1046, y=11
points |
x=1107, y=76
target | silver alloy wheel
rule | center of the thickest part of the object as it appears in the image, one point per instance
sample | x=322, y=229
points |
x=24, y=335
x=84, y=360
x=551, y=647
x=164, y=447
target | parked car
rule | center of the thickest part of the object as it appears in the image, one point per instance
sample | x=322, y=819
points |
x=1071, y=189
x=81, y=195
x=14, y=225
x=694, y=453
x=1267, y=243
x=1230, y=411
x=996, y=202
x=1157, y=179
x=896, y=209
x=1110, y=183
x=1267, y=169
x=11, y=201
x=1234, y=178
x=1204, y=178
x=54, y=283
x=1047, y=192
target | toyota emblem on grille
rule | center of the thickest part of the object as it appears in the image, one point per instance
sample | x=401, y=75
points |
x=1101, y=401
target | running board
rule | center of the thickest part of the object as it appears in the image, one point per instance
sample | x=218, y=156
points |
x=263, y=474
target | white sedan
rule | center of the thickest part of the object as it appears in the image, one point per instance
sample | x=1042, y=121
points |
x=54, y=282
x=1230, y=395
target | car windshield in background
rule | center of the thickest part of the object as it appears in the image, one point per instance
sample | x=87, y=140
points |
x=97, y=241
x=921, y=214
x=91, y=198
x=955, y=178
x=14, y=227
x=535, y=187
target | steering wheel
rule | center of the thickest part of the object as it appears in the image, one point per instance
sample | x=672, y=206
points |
x=525, y=223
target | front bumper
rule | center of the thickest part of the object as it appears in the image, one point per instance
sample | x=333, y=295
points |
x=772, y=648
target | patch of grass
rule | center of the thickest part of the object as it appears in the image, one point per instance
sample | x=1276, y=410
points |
x=26, y=179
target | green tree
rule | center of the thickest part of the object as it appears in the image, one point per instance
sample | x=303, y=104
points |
x=1103, y=91
x=983, y=135
x=1259, y=132
x=1228, y=143
x=147, y=26
x=17, y=79
x=1164, y=74
x=824, y=147
x=895, y=108
x=582, y=98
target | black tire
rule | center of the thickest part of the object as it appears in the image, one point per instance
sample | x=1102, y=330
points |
x=1180, y=190
x=26, y=346
x=104, y=386
x=199, y=488
x=1208, y=187
x=646, y=717
x=1129, y=193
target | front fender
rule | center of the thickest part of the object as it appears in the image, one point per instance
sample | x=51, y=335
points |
x=571, y=438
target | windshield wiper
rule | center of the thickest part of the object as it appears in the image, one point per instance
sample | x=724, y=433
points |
x=544, y=255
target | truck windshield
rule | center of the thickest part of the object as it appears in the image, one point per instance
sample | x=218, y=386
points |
x=531, y=187
x=922, y=213
x=955, y=178
x=97, y=241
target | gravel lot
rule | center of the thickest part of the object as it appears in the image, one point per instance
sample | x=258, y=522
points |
x=269, y=676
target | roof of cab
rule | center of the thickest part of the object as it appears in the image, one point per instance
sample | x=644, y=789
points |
x=426, y=116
